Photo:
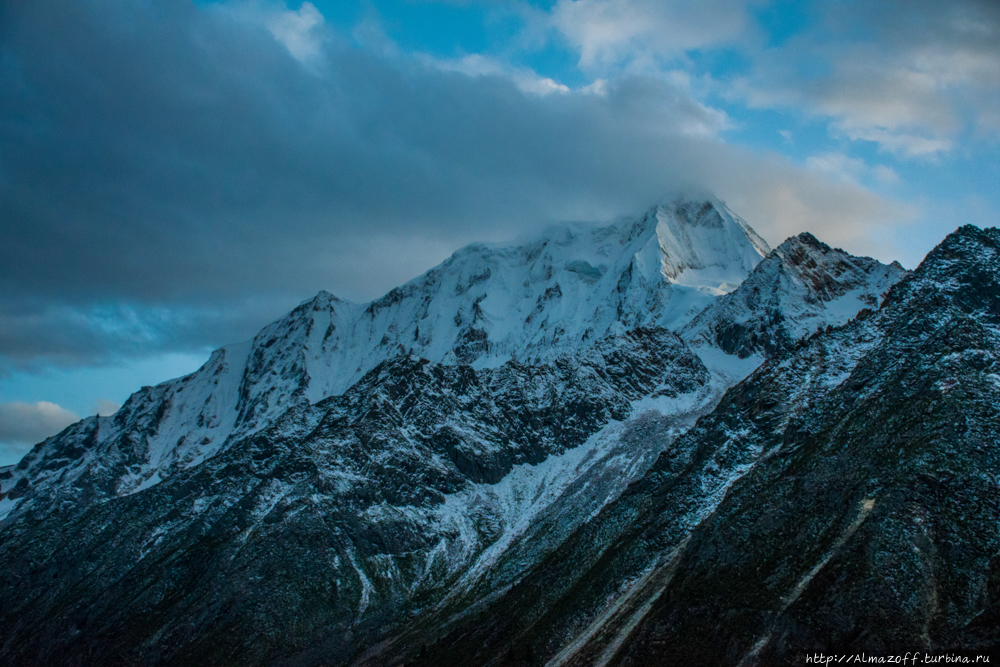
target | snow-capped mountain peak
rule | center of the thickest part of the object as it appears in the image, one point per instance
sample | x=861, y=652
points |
x=802, y=286
x=534, y=299
x=703, y=244
x=530, y=301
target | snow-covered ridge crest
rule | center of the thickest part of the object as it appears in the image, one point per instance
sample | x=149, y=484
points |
x=574, y=283
x=529, y=301
x=802, y=286
x=705, y=244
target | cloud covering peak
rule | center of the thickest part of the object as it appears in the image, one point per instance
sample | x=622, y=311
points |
x=193, y=167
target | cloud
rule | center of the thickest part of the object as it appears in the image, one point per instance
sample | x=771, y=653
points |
x=302, y=32
x=908, y=76
x=839, y=165
x=171, y=177
x=299, y=31
x=103, y=406
x=901, y=110
x=614, y=31
x=781, y=200
x=528, y=81
x=851, y=170
x=30, y=423
x=37, y=332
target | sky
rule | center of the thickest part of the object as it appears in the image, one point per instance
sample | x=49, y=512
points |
x=175, y=175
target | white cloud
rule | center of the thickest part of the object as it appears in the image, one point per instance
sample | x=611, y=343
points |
x=299, y=31
x=870, y=106
x=30, y=423
x=103, y=406
x=479, y=65
x=839, y=165
x=614, y=31
x=781, y=200
x=911, y=85
x=597, y=87
x=850, y=169
x=886, y=175
x=895, y=141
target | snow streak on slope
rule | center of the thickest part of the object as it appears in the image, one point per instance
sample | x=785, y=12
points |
x=544, y=497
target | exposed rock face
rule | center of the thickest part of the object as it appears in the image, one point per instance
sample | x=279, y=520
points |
x=362, y=501
x=872, y=521
x=803, y=285
x=358, y=481
x=842, y=499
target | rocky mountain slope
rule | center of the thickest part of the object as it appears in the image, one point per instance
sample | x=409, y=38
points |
x=358, y=479
x=842, y=499
x=803, y=286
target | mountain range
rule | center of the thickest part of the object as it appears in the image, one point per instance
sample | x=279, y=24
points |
x=652, y=442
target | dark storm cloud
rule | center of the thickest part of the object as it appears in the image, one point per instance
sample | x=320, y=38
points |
x=169, y=173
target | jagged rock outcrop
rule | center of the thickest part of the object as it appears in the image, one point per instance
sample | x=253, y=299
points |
x=802, y=286
x=374, y=501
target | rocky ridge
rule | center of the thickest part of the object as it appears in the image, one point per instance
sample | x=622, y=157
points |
x=483, y=306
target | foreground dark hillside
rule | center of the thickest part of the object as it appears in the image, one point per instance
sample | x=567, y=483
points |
x=274, y=549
